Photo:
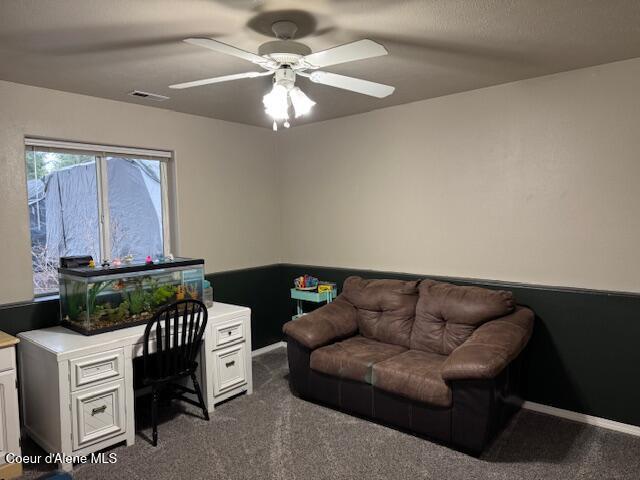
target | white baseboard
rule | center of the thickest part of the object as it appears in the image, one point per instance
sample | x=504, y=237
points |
x=582, y=418
x=268, y=348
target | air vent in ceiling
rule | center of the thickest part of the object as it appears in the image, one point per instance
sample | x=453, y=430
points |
x=149, y=96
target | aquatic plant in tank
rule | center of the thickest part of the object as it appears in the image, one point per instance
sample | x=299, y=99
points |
x=98, y=299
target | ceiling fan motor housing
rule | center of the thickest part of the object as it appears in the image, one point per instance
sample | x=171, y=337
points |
x=286, y=52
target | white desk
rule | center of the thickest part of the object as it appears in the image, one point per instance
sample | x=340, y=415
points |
x=77, y=391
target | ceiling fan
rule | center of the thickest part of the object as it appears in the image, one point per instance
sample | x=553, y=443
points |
x=285, y=59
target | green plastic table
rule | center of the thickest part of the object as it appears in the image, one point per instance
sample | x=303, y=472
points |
x=302, y=295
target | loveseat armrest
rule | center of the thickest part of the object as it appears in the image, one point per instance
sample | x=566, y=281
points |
x=490, y=348
x=320, y=327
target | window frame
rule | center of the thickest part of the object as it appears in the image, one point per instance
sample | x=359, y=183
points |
x=101, y=153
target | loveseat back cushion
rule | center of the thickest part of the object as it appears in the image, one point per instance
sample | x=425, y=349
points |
x=385, y=308
x=447, y=315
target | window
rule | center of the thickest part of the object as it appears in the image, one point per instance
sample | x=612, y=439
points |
x=106, y=202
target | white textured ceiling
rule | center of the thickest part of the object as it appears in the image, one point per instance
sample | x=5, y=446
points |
x=107, y=48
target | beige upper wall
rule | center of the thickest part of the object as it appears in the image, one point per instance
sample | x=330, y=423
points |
x=535, y=181
x=227, y=202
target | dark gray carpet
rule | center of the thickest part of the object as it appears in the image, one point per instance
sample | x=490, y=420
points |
x=274, y=435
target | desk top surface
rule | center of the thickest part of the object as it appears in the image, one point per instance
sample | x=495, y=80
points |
x=7, y=340
x=60, y=340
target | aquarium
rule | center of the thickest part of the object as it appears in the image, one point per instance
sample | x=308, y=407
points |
x=100, y=299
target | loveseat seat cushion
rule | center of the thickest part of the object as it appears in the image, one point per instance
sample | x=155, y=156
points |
x=415, y=375
x=352, y=358
x=447, y=315
x=385, y=308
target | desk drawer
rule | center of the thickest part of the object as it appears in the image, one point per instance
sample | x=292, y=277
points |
x=229, y=368
x=98, y=414
x=228, y=332
x=97, y=368
x=7, y=359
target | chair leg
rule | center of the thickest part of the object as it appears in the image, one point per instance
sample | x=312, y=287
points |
x=196, y=387
x=154, y=416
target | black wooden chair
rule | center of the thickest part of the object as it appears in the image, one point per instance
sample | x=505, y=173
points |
x=171, y=354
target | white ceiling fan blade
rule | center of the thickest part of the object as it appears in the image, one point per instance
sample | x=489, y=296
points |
x=227, y=49
x=348, y=52
x=358, y=85
x=225, y=78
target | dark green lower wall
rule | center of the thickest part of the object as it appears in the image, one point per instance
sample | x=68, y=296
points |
x=259, y=289
x=584, y=355
x=20, y=317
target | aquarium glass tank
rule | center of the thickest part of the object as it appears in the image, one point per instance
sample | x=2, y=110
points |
x=100, y=299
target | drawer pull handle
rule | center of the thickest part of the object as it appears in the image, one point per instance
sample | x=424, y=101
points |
x=97, y=410
x=230, y=364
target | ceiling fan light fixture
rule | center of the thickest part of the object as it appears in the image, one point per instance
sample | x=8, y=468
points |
x=276, y=103
x=302, y=104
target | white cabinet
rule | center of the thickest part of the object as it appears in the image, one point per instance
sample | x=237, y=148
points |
x=9, y=416
x=9, y=424
x=77, y=391
x=229, y=356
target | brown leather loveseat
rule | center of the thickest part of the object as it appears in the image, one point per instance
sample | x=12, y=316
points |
x=433, y=358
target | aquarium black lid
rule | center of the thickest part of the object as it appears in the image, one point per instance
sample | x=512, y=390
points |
x=99, y=271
